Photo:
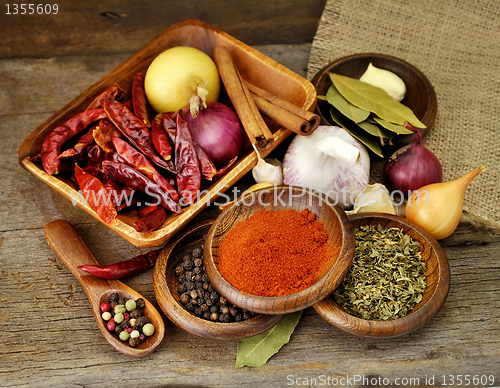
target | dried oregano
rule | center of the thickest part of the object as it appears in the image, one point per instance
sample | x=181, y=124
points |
x=387, y=276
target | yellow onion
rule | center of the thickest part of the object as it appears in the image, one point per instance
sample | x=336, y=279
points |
x=437, y=207
x=179, y=76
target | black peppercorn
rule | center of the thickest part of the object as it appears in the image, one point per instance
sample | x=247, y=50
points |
x=181, y=278
x=184, y=298
x=133, y=342
x=186, y=258
x=206, y=315
x=114, y=297
x=214, y=309
x=214, y=296
x=204, y=307
x=189, y=307
x=198, y=285
x=214, y=317
x=209, y=302
x=188, y=265
x=222, y=300
x=238, y=317
x=193, y=294
x=204, y=278
x=246, y=315
x=232, y=310
x=205, y=286
x=121, y=301
x=198, y=312
x=179, y=270
x=125, y=324
x=181, y=288
x=197, y=278
x=197, y=271
x=188, y=275
x=198, y=262
x=136, y=313
x=140, y=303
x=197, y=252
x=118, y=329
x=189, y=286
x=224, y=318
x=224, y=309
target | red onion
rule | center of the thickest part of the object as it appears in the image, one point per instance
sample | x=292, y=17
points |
x=218, y=131
x=412, y=166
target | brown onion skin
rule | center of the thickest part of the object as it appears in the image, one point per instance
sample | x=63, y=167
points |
x=412, y=167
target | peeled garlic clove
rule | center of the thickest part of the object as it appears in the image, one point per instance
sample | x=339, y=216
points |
x=385, y=79
x=267, y=170
x=373, y=198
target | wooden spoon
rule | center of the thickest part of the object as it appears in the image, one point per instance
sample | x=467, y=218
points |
x=73, y=252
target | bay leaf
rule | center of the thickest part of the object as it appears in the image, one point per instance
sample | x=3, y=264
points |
x=345, y=107
x=374, y=99
x=358, y=133
x=399, y=129
x=375, y=130
x=256, y=350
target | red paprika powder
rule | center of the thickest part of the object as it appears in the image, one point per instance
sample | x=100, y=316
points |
x=274, y=253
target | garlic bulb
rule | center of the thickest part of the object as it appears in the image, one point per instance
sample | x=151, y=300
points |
x=385, y=79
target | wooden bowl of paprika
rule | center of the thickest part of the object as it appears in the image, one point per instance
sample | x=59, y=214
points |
x=166, y=284
x=437, y=284
x=279, y=250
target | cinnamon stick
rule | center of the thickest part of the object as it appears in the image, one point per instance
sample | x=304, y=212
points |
x=285, y=113
x=242, y=100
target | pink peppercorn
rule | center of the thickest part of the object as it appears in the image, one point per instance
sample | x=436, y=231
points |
x=111, y=324
x=126, y=316
x=129, y=330
x=104, y=307
x=142, y=337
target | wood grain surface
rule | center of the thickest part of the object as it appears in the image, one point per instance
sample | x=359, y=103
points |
x=49, y=336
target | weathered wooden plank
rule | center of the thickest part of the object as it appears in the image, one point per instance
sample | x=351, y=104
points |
x=96, y=27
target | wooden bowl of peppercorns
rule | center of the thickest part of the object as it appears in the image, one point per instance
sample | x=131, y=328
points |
x=184, y=293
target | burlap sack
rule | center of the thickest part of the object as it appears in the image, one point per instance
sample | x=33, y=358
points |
x=456, y=43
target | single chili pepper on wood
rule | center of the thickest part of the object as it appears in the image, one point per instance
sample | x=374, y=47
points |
x=139, y=101
x=160, y=139
x=134, y=130
x=125, y=268
x=95, y=193
x=137, y=160
x=150, y=221
x=85, y=140
x=224, y=169
x=51, y=147
x=128, y=176
x=186, y=162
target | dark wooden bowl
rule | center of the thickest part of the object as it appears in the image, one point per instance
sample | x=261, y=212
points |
x=420, y=95
x=438, y=285
x=165, y=287
x=337, y=226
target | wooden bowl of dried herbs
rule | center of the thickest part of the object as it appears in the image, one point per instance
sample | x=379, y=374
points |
x=376, y=134
x=398, y=281
x=186, y=296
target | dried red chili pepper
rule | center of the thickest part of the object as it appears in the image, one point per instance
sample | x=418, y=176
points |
x=128, y=176
x=137, y=160
x=145, y=210
x=103, y=134
x=160, y=139
x=186, y=162
x=139, y=101
x=170, y=126
x=95, y=193
x=85, y=140
x=128, y=105
x=224, y=169
x=150, y=221
x=134, y=130
x=113, y=91
x=51, y=147
x=125, y=268
x=207, y=168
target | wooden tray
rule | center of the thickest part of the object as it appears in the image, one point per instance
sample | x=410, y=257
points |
x=253, y=66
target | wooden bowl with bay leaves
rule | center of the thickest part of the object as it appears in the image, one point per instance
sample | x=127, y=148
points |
x=165, y=284
x=336, y=224
x=420, y=96
x=434, y=296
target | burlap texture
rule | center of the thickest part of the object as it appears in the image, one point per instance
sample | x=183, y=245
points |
x=456, y=43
